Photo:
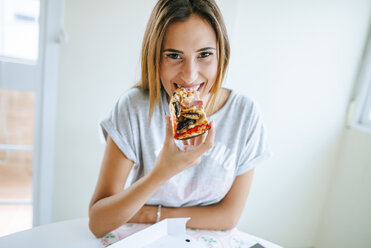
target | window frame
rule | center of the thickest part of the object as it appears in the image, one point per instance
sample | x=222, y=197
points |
x=41, y=78
x=51, y=25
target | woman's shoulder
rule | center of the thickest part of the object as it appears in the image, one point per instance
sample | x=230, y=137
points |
x=242, y=107
x=241, y=101
x=134, y=97
x=132, y=101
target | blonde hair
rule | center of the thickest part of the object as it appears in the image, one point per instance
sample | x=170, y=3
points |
x=165, y=13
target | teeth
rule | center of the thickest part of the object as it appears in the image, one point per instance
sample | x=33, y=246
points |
x=190, y=89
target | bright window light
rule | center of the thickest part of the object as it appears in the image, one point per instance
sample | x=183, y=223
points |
x=19, y=29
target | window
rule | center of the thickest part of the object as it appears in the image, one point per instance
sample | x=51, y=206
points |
x=19, y=29
x=30, y=75
x=360, y=105
x=19, y=73
x=16, y=160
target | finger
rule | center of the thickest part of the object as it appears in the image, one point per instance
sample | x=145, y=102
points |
x=185, y=142
x=186, y=147
x=203, y=138
x=169, y=138
x=200, y=139
x=192, y=141
x=209, y=140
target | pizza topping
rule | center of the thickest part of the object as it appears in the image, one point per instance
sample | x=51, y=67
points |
x=196, y=103
x=184, y=125
x=189, y=119
x=194, y=116
x=177, y=108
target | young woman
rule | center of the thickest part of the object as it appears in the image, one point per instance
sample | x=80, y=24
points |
x=146, y=175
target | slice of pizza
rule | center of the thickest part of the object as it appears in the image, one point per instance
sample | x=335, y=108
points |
x=187, y=114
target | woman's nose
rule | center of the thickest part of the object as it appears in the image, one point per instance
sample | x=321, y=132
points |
x=189, y=71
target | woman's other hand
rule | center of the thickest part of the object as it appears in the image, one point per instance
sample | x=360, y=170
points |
x=173, y=160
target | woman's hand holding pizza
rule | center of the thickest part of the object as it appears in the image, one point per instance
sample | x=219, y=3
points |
x=173, y=160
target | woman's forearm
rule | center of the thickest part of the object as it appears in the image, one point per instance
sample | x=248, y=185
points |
x=146, y=214
x=111, y=212
x=214, y=217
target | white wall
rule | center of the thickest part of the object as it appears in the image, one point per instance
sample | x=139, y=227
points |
x=298, y=59
x=347, y=217
x=100, y=61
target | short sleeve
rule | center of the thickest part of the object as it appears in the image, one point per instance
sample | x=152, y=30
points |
x=256, y=147
x=118, y=125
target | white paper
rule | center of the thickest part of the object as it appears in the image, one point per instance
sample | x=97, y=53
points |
x=168, y=233
x=176, y=241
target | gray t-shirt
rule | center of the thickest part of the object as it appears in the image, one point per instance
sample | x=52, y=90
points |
x=240, y=143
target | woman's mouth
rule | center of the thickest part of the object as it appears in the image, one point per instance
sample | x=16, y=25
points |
x=192, y=88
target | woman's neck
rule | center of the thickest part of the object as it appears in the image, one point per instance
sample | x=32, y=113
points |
x=220, y=100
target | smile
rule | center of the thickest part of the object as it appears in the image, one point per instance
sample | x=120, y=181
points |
x=191, y=88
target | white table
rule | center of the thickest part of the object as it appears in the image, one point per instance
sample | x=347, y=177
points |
x=71, y=233
x=66, y=234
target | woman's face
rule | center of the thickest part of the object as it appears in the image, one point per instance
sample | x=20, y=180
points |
x=189, y=57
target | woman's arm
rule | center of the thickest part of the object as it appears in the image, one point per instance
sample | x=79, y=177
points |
x=221, y=216
x=111, y=206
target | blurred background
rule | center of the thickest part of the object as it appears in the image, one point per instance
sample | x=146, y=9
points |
x=64, y=64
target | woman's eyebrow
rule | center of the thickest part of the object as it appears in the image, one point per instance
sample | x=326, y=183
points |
x=199, y=50
x=205, y=48
x=173, y=50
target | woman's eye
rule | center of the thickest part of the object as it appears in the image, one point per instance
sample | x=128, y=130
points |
x=173, y=56
x=205, y=54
